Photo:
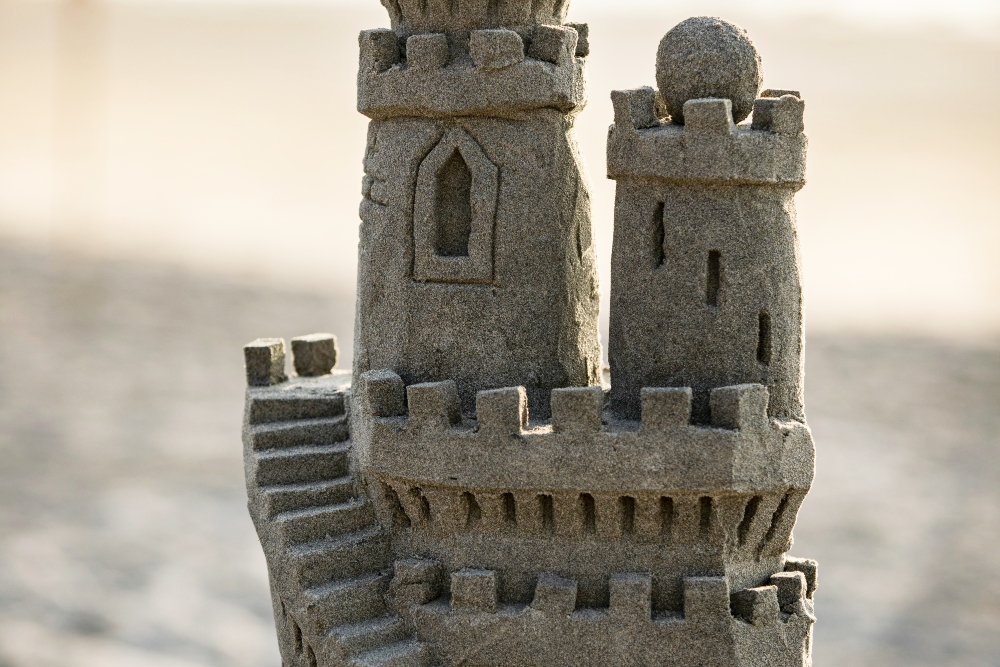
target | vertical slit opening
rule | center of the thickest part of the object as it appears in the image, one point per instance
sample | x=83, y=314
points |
x=749, y=512
x=588, y=513
x=714, y=278
x=775, y=521
x=626, y=514
x=399, y=516
x=509, y=509
x=764, y=338
x=666, y=516
x=705, y=513
x=453, y=207
x=297, y=637
x=310, y=656
x=548, y=512
x=473, y=512
x=425, y=505
x=659, y=236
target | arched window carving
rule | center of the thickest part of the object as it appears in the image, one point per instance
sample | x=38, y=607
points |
x=453, y=207
x=453, y=212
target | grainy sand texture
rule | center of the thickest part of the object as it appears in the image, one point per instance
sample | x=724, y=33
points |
x=179, y=179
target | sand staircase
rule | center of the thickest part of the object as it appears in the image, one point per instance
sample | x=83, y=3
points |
x=319, y=532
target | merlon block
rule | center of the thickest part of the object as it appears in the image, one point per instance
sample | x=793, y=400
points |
x=502, y=410
x=495, y=49
x=265, y=362
x=426, y=52
x=806, y=566
x=781, y=115
x=706, y=599
x=434, y=404
x=314, y=355
x=663, y=407
x=474, y=590
x=582, y=39
x=553, y=43
x=382, y=393
x=577, y=409
x=416, y=581
x=709, y=117
x=635, y=108
x=554, y=595
x=631, y=595
x=379, y=49
x=742, y=406
x=758, y=606
x=791, y=587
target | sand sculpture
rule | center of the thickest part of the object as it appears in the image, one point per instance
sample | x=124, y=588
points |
x=471, y=494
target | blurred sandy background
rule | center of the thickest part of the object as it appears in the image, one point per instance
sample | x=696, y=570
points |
x=179, y=178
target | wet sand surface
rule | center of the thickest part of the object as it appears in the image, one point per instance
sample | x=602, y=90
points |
x=124, y=537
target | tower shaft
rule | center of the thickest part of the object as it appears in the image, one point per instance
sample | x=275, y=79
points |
x=475, y=230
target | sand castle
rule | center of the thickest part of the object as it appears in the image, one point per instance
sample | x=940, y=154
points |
x=471, y=494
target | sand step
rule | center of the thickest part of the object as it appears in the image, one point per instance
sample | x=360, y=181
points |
x=407, y=653
x=340, y=557
x=288, y=497
x=370, y=635
x=297, y=465
x=346, y=601
x=289, y=408
x=316, y=523
x=323, y=431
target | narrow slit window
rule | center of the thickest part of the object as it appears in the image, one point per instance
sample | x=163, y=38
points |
x=764, y=338
x=714, y=278
x=659, y=236
x=666, y=516
x=705, y=511
x=399, y=517
x=548, y=513
x=588, y=512
x=509, y=509
x=775, y=522
x=453, y=208
x=473, y=513
x=626, y=513
x=425, y=508
x=749, y=513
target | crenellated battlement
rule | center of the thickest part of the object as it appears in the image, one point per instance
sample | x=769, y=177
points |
x=464, y=615
x=496, y=72
x=421, y=435
x=708, y=146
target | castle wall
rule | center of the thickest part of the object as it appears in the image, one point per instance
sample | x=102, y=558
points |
x=579, y=498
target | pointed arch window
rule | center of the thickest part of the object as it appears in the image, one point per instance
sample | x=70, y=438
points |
x=453, y=212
